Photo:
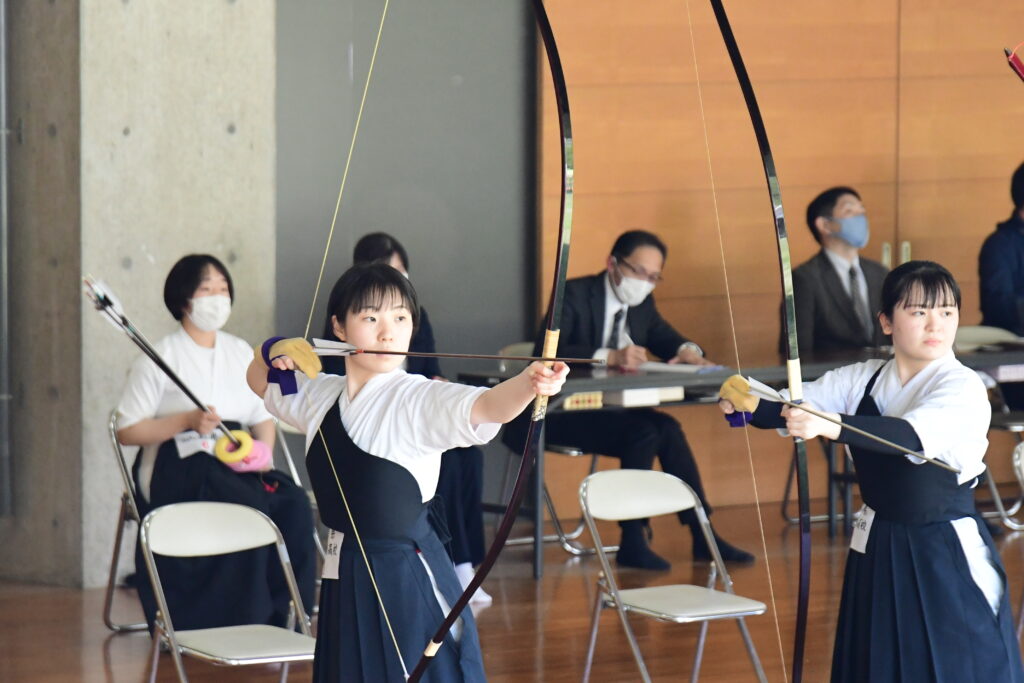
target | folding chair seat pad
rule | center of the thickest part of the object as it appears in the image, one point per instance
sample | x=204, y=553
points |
x=250, y=642
x=684, y=603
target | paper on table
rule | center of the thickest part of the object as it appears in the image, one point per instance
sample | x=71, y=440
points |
x=684, y=368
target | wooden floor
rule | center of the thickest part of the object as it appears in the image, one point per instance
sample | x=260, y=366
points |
x=535, y=631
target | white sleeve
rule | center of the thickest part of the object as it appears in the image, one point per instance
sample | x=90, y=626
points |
x=306, y=408
x=142, y=393
x=444, y=410
x=952, y=421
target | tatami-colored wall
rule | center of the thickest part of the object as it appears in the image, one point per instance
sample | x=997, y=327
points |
x=909, y=101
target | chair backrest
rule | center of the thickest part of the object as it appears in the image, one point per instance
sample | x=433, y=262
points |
x=970, y=337
x=127, y=484
x=204, y=528
x=634, y=494
x=524, y=348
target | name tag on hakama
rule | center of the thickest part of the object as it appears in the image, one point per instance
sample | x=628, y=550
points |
x=862, y=529
x=192, y=442
x=332, y=554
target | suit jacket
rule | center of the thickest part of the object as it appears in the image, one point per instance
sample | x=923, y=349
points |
x=825, y=319
x=1001, y=270
x=422, y=341
x=583, y=322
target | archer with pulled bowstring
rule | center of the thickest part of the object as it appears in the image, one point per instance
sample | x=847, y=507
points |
x=331, y=470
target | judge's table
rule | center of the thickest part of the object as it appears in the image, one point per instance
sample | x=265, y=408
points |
x=660, y=384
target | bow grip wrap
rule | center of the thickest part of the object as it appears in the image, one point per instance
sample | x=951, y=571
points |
x=796, y=385
x=540, y=404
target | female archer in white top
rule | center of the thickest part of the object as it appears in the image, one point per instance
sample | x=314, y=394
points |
x=924, y=594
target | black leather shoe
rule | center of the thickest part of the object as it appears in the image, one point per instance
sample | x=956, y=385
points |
x=639, y=556
x=729, y=552
x=634, y=551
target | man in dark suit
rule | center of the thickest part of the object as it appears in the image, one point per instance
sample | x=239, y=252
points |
x=837, y=292
x=612, y=315
x=1001, y=266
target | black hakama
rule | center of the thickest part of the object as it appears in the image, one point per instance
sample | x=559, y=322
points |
x=239, y=588
x=353, y=640
x=910, y=609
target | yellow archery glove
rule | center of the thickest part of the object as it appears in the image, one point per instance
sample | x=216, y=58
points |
x=296, y=348
x=736, y=390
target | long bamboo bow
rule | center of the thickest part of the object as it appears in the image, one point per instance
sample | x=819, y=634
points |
x=789, y=322
x=549, y=350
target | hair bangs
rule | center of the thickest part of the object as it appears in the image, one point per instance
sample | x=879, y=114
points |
x=370, y=286
x=378, y=296
x=919, y=284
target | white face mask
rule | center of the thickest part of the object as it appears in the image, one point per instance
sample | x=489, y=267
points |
x=631, y=291
x=209, y=313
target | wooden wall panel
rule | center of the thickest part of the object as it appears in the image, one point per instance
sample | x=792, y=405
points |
x=909, y=101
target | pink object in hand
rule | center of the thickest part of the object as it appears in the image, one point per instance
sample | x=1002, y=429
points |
x=258, y=460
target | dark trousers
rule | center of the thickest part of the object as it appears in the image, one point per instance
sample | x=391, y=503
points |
x=239, y=588
x=460, y=484
x=636, y=437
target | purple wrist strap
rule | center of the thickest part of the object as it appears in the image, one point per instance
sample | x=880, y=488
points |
x=739, y=419
x=283, y=378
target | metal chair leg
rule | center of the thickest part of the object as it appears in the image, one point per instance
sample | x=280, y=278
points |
x=634, y=645
x=754, y=659
x=108, y=600
x=1004, y=515
x=698, y=656
x=564, y=539
x=154, y=653
x=595, y=622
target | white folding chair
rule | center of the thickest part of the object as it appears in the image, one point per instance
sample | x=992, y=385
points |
x=617, y=495
x=198, y=529
x=564, y=538
x=129, y=513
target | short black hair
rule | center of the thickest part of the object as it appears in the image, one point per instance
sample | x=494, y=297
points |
x=930, y=284
x=379, y=247
x=629, y=241
x=823, y=205
x=1017, y=188
x=368, y=285
x=184, y=279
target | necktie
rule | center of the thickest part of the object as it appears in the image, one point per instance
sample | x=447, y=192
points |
x=614, y=337
x=860, y=306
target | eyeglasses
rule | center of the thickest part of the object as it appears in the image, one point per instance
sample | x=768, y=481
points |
x=640, y=273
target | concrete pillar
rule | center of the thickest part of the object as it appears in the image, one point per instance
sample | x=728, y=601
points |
x=149, y=134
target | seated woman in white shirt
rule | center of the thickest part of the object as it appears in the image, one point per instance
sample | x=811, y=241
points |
x=175, y=463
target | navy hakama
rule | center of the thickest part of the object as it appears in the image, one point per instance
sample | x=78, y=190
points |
x=397, y=529
x=911, y=610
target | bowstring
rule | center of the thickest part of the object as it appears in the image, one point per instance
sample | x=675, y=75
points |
x=348, y=164
x=735, y=340
x=309, y=322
